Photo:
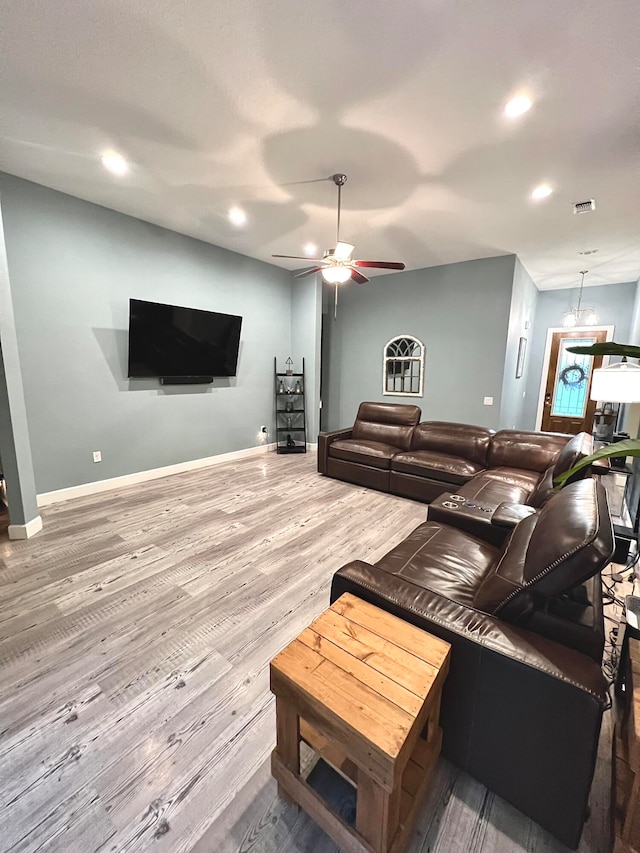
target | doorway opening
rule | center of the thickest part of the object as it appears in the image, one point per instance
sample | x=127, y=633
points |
x=564, y=404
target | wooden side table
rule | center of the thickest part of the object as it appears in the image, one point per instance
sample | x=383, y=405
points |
x=626, y=761
x=362, y=688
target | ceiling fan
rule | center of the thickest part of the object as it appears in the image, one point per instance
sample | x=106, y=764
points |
x=337, y=265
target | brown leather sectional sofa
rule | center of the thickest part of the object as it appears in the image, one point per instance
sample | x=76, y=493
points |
x=524, y=698
x=389, y=450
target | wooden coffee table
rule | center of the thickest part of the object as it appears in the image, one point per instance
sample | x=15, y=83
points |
x=362, y=688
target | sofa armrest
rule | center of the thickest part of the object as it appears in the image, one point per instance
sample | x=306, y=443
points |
x=324, y=440
x=507, y=515
x=520, y=713
x=419, y=605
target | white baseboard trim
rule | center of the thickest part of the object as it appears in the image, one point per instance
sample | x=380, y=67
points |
x=311, y=446
x=84, y=489
x=25, y=531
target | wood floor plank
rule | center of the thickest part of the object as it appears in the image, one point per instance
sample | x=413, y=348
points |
x=135, y=636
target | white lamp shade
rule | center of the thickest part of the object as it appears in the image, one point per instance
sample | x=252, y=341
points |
x=336, y=274
x=617, y=383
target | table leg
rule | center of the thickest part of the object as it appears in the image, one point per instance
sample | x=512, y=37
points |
x=377, y=813
x=287, y=740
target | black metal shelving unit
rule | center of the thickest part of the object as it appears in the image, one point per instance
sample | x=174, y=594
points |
x=291, y=420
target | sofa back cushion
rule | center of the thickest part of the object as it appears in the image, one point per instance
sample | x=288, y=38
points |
x=389, y=423
x=469, y=442
x=577, y=448
x=569, y=540
x=533, y=451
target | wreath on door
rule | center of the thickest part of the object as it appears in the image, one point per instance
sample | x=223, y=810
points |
x=573, y=376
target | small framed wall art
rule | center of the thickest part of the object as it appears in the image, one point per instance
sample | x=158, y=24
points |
x=522, y=351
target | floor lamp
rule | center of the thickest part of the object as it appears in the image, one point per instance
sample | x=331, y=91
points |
x=617, y=383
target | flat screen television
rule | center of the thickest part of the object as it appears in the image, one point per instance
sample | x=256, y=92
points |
x=171, y=341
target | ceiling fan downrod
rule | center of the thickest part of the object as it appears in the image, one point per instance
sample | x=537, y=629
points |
x=339, y=180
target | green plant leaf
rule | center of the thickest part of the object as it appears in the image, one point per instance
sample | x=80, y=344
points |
x=628, y=447
x=607, y=348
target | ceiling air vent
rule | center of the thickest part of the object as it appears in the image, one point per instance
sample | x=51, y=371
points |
x=585, y=206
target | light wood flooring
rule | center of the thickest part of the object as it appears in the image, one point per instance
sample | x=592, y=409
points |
x=135, y=636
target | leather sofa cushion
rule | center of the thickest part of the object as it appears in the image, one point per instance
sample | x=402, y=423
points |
x=386, y=423
x=374, y=453
x=442, y=559
x=519, y=477
x=577, y=448
x=568, y=541
x=437, y=466
x=533, y=451
x=461, y=440
x=489, y=492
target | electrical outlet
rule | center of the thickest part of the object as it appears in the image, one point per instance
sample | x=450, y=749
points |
x=97, y=456
x=263, y=429
x=488, y=401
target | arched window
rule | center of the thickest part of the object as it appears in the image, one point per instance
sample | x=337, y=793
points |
x=403, y=367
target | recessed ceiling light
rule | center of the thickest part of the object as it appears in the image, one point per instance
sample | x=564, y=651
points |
x=310, y=249
x=542, y=191
x=588, y=252
x=115, y=163
x=237, y=216
x=517, y=106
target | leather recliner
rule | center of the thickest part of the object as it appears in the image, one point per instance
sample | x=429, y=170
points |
x=523, y=702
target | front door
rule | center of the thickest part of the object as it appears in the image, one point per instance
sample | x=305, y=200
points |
x=567, y=406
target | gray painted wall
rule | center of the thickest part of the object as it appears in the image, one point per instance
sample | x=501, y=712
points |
x=524, y=299
x=306, y=326
x=460, y=312
x=15, y=447
x=73, y=268
x=613, y=304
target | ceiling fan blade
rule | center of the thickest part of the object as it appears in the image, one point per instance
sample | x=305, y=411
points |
x=358, y=277
x=380, y=265
x=343, y=251
x=298, y=257
x=308, y=272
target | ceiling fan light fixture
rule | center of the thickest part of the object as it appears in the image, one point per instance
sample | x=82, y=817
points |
x=342, y=251
x=336, y=274
x=579, y=316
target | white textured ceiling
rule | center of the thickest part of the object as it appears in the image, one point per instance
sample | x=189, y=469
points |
x=233, y=101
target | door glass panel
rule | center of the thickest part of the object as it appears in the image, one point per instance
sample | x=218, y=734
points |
x=572, y=382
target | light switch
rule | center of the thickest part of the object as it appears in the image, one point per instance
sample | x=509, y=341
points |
x=488, y=401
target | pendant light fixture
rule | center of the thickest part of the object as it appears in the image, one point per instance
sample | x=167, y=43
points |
x=580, y=316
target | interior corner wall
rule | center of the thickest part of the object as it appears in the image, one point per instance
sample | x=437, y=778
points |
x=524, y=298
x=15, y=446
x=461, y=314
x=306, y=330
x=74, y=266
x=613, y=304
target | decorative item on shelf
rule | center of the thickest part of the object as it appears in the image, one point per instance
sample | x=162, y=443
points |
x=298, y=388
x=579, y=316
x=289, y=363
x=288, y=406
x=289, y=420
x=281, y=387
x=290, y=441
